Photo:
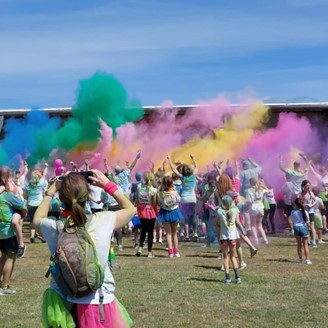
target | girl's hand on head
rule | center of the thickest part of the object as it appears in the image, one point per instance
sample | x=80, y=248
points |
x=99, y=179
x=54, y=187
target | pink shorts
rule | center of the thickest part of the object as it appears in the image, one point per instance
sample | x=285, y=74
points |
x=89, y=316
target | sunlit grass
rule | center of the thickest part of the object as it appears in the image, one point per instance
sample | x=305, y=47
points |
x=190, y=291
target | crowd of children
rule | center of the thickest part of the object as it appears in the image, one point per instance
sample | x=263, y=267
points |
x=226, y=205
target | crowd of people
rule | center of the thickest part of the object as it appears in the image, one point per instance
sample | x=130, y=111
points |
x=228, y=205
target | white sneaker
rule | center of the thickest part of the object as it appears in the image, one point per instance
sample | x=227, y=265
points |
x=139, y=252
x=150, y=255
x=160, y=240
x=313, y=245
x=120, y=248
x=154, y=240
x=307, y=262
x=7, y=291
x=243, y=265
x=321, y=241
x=177, y=255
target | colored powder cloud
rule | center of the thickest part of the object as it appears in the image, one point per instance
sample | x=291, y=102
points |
x=100, y=97
x=31, y=138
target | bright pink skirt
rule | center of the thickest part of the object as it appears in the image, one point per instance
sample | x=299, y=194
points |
x=89, y=316
x=146, y=211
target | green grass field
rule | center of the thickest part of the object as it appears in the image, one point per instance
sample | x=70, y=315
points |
x=190, y=291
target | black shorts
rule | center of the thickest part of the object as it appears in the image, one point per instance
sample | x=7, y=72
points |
x=30, y=212
x=288, y=209
x=311, y=216
x=9, y=246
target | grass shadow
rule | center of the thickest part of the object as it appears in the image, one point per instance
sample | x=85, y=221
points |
x=207, y=267
x=203, y=256
x=205, y=280
x=281, y=260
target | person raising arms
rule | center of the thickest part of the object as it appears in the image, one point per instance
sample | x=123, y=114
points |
x=73, y=192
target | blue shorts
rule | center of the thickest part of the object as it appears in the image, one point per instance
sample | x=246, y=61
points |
x=301, y=231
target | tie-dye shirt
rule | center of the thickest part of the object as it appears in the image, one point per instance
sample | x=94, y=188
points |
x=8, y=202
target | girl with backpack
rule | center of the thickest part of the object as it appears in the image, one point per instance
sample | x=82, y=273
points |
x=87, y=310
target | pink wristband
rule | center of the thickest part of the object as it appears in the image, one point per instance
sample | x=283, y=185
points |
x=110, y=188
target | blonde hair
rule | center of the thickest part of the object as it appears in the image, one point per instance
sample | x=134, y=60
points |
x=148, y=178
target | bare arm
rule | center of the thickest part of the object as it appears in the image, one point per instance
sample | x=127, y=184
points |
x=281, y=166
x=164, y=166
x=200, y=179
x=25, y=169
x=194, y=163
x=106, y=166
x=43, y=209
x=315, y=172
x=127, y=211
x=152, y=167
x=237, y=168
x=45, y=171
x=87, y=165
x=254, y=164
x=218, y=167
x=174, y=170
x=133, y=164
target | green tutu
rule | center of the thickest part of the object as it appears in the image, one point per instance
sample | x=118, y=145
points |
x=56, y=311
x=124, y=313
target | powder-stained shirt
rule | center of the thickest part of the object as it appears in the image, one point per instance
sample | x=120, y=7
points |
x=123, y=179
x=228, y=229
x=296, y=178
x=169, y=200
x=8, y=202
x=35, y=193
x=146, y=193
x=188, y=193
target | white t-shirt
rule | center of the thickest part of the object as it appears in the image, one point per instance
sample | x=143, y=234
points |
x=228, y=229
x=288, y=192
x=95, y=193
x=318, y=205
x=100, y=226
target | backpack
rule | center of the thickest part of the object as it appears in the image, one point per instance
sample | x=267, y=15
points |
x=75, y=266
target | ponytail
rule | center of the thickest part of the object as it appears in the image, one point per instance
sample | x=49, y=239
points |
x=300, y=206
x=74, y=193
x=229, y=215
x=78, y=214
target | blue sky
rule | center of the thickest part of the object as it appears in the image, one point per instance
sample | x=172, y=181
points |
x=179, y=50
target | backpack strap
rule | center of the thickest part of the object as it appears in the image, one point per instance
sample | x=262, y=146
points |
x=59, y=226
x=101, y=305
